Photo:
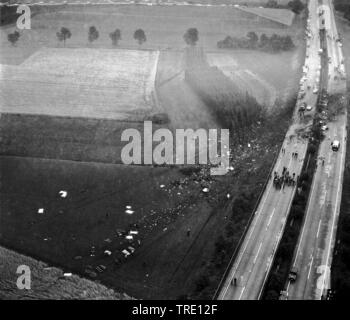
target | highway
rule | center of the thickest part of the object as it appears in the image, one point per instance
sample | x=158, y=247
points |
x=254, y=259
x=313, y=255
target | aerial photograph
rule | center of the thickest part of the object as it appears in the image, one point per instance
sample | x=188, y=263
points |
x=172, y=150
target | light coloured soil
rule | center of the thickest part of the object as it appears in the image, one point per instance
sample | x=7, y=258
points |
x=96, y=83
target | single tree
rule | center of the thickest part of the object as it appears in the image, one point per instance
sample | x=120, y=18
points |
x=253, y=39
x=115, y=36
x=140, y=36
x=93, y=34
x=271, y=4
x=63, y=35
x=191, y=36
x=296, y=6
x=264, y=41
x=13, y=37
x=288, y=43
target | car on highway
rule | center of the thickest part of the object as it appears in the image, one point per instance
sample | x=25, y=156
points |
x=293, y=273
x=335, y=145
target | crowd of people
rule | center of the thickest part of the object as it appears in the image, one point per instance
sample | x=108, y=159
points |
x=280, y=181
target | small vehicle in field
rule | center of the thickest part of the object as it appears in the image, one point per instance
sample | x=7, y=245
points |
x=308, y=108
x=293, y=273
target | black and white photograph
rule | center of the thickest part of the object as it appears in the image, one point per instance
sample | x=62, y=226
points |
x=174, y=151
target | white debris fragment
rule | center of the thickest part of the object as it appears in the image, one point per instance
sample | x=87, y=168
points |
x=162, y=185
x=133, y=232
x=129, y=211
x=128, y=207
x=41, y=210
x=132, y=249
x=107, y=252
x=67, y=274
x=126, y=253
x=63, y=193
x=205, y=190
x=248, y=145
x=228, y=196
x=129, y=237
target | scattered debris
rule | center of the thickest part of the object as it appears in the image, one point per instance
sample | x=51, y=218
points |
x=107, y=252
x=162, y=185
x=132, y=249
x=129, y=211
x=67, y=274
x=228, y=196
x=63, y=193
x=126, y=253
x=100, y=268
x=41, y=210
x=133, y=232
x=129, y=237
x=205, y=190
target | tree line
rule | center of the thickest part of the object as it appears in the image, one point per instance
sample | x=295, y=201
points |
x=296, y=5
x=190, y=37
x=233, y=109
x=93, y=34
x=252, y=41
x=343, y=6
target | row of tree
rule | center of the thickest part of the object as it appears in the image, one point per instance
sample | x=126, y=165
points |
x=190, y=37
x=64, y=34
x=275, y=43
x=93, y=34
x=296, y=5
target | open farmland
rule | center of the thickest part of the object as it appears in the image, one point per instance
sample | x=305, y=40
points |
x=61, y=131
x=80, y=83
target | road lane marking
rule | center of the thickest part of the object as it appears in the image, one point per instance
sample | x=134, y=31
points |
x=312, y=259
x=256, y=218
x=273, y=212
x=240, y=296
x=257, y=252
x=336, y=204
x=318, y=229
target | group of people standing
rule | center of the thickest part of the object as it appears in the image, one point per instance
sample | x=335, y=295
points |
x=280, y=181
